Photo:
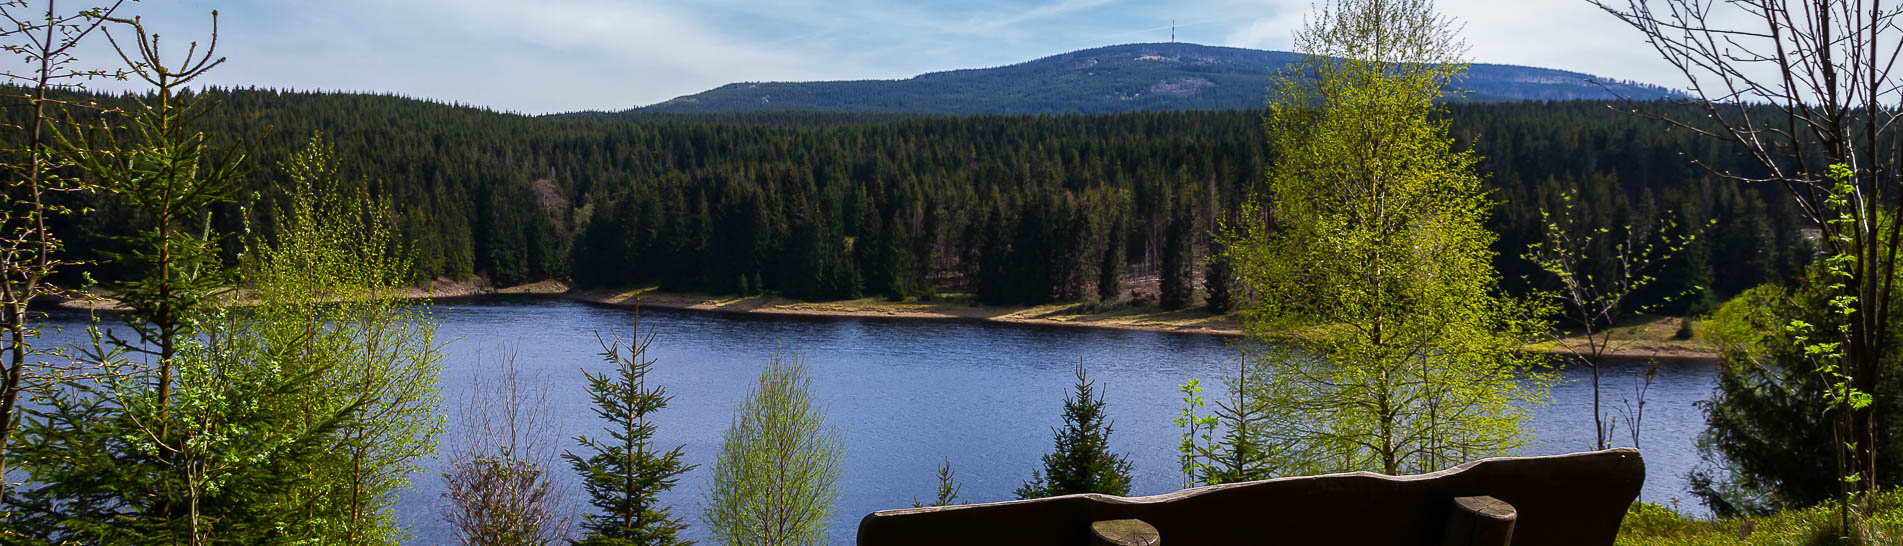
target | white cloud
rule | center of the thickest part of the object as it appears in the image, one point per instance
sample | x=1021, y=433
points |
x=547, y=56
x=644, y=52
x=559, y=55
x=1276, y=32
x=1562, y=34
x=1054, y=9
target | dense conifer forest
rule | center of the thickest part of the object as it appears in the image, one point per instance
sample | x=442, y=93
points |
x=1012, y=209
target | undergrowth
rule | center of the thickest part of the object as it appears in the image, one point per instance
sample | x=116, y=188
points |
x=1652, y=524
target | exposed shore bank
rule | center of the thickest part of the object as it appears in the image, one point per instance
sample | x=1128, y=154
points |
x=1192, y=321
x=102, y=301
x=1645, y=337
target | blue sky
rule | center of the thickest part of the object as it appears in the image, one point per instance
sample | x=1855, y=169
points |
x=540, y=56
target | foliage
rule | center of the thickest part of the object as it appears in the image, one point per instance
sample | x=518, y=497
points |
x=1766, y=446
x=778, y=471
x=1592, y=294
x=1198, y=432
x=30, y=252
x=1393, y=350
x=698, y=203
x=1845, y=399
x=1244, y=451
x=1080, y=460
x=297, y=417
x=326, y=292
x=171, y=177
x=626, y=473
x=186, y=445
x=497, y=479
x=1828, y=145
x=1770, y=437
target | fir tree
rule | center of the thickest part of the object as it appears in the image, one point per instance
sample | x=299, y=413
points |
x=1080, y=460
x=626, y=473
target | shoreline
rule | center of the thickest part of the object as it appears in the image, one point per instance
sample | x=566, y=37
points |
x=1144, y=318
x=426, y=291
x=1188, y=321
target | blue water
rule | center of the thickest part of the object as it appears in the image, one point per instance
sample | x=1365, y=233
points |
x=906, y=394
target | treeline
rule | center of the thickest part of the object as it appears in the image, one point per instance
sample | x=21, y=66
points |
x=1012, y=209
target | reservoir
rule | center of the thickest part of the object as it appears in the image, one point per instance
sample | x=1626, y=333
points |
x=908, y=394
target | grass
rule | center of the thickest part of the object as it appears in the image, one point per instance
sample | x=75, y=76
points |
x=1642, y=336
x=1651, y=524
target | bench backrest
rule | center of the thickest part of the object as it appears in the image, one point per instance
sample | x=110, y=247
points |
x=1561, y=500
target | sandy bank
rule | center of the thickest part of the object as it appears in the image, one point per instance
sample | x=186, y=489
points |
x=1074, y=315
x=1649, y=339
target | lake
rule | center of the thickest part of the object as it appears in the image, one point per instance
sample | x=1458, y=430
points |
x=906, y=394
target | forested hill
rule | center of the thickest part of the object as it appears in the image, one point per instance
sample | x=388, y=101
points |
x=1124, y=78
x=1011, y=208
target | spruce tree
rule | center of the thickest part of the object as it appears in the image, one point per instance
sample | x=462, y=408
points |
x=1110, y=271
x=1218, y=278
x=947, y=487
x=1080, y=460
x=1176, y=290
x=626, y=473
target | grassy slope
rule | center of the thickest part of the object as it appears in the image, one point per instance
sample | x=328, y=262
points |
x=1651, y=524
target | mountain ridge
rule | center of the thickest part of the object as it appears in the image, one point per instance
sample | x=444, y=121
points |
x=1117, y=78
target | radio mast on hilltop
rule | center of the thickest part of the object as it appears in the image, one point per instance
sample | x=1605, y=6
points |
x=1172, y=31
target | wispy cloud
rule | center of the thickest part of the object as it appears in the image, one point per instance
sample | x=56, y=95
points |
x=1054, y=9
x=559, y=55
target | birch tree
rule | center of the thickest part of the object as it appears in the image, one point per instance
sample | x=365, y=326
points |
x=1395, y=352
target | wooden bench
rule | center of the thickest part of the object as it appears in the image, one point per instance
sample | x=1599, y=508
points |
x=1561, y=500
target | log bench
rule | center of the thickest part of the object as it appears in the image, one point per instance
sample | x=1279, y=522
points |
x=1560, y=500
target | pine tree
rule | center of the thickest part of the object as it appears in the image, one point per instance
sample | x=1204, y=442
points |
x=626, y=472
x=1080, y=460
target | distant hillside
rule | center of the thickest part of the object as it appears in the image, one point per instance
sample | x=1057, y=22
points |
x=1124, y=78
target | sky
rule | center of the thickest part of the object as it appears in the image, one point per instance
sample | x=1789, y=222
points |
x=546, y=56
